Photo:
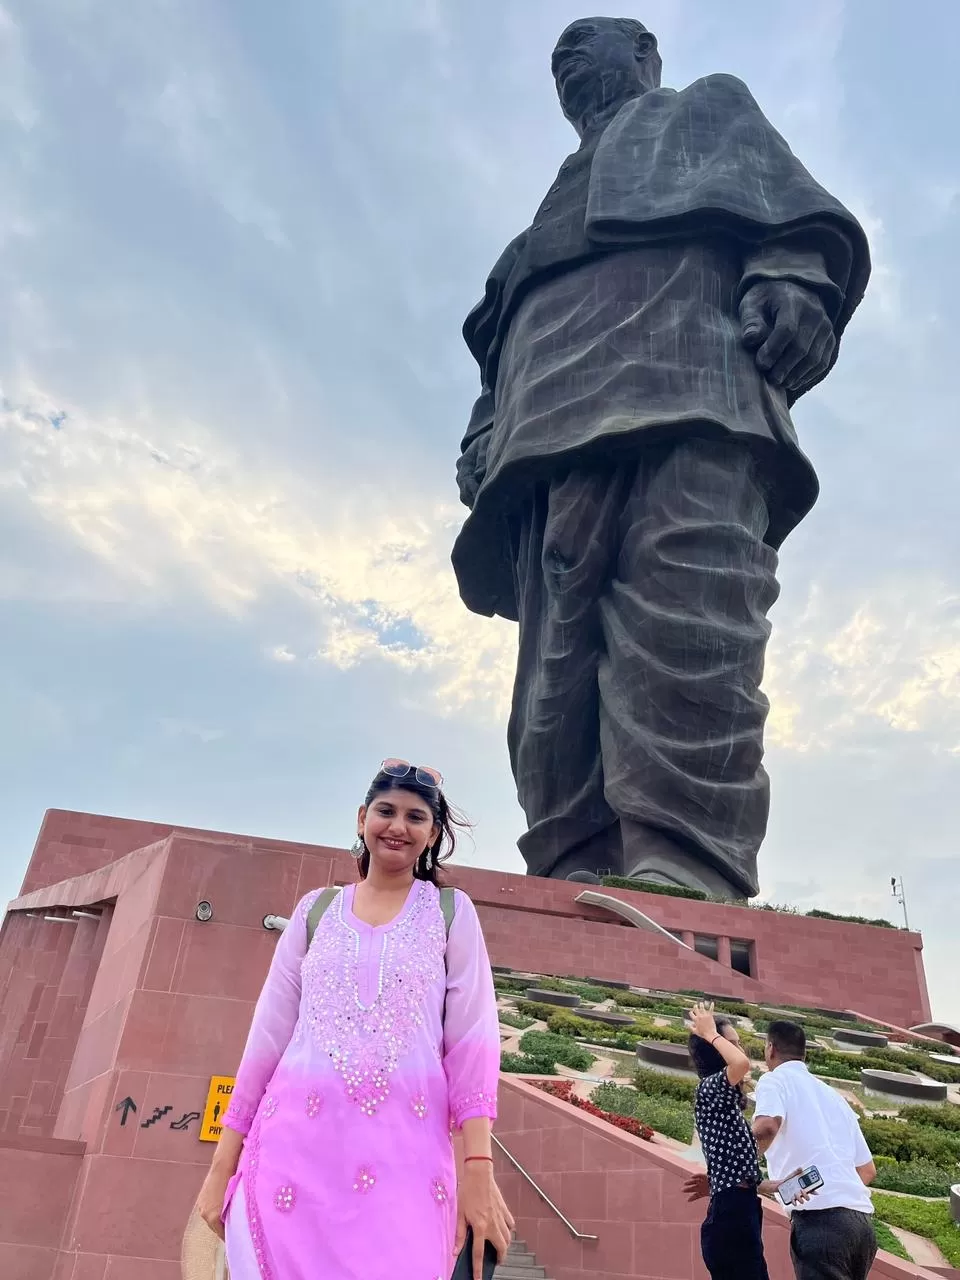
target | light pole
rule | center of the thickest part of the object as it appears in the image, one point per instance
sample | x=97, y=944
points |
x=897, y=886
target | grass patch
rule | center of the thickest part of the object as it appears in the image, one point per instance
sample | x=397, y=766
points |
x=888, y=1241
x=930, y=1219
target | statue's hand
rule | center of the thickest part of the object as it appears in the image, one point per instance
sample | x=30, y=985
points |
x=471, y=469
x=788, y=328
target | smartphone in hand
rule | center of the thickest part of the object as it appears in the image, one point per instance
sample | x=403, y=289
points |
x=801, y=1184
x=464, y=1268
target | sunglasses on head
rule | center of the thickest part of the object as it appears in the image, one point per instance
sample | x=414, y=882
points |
x=426, y=776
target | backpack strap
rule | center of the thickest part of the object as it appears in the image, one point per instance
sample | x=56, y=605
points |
x=448, y=906
x=317, y=910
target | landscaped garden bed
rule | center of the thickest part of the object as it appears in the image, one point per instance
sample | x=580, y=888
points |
x=563, y=1089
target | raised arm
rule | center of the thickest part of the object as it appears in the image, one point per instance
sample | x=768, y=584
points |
x=273, y=1021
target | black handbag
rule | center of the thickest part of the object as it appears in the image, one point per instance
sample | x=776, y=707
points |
x=464, y=1268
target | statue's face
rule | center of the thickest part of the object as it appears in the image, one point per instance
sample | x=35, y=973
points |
x=596, y=64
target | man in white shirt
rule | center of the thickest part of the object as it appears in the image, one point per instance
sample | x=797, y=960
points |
x=799, y=1122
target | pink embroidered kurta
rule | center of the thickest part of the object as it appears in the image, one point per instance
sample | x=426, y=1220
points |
x=364, y=1052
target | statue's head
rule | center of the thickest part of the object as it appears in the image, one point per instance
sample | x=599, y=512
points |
x=601, y=63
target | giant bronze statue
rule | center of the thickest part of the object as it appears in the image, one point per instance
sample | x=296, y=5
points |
x=631, y=465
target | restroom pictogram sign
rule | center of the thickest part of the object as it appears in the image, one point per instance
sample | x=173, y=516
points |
x=218, y=1099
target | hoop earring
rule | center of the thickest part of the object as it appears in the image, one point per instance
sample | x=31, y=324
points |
x=359, y=848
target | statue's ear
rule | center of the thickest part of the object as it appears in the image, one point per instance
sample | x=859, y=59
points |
x=646, y=45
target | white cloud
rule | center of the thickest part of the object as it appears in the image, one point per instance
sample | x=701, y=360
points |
x=191, y=515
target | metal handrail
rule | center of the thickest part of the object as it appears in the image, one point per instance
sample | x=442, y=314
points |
x=577, y=1235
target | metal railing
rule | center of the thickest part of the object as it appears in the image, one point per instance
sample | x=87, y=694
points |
x=577, y=1235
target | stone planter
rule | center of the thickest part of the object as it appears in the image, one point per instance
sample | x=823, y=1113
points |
x=663, y=1056
x=859, y=1039
x=560, y=998
x=618, y=1020
x=903, y=1086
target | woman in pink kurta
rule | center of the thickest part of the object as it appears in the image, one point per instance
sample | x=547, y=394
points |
x=369, y=1045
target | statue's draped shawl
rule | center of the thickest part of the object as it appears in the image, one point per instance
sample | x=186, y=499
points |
x=675, y=176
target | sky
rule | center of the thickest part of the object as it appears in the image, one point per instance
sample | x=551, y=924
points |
x=237, y=244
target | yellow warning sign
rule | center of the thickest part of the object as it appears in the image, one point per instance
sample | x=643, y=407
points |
x=218, y=1099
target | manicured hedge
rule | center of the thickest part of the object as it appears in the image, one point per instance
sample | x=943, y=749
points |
x=532, y=1009
x=913, y=1177
x=659, y=1085
x=907, y=1142
x=664, y=1115
x=651, y=886
x=946, y=1116
x=562, y=1023
x=928, y=1218
x=526, y=1064
x=832, y=915
x=910, y=1060
x=515, y=1020
x=554, y=1048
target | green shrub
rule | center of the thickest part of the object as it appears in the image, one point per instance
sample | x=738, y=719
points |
x=533, y=1009
x=817, y=914
x=930, y=1219
x=509, y=986
x=914, y=1178
x=562, y=1023
x=647, y=1029
x=526, y=1064
x=553, y=984
x=665, y=1115
x=753, y=1047
x=732, y=1008
x=554, y=1048
x=911, y=1060
x=515, y=1020
x=907, y=1142
x=661, y=1008
x=650, y=886
x=888, y=1241
x=944, y=1116
x=659, y=1085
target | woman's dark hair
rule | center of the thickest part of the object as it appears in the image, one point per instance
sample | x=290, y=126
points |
x=706, y=1059
x=448, y=819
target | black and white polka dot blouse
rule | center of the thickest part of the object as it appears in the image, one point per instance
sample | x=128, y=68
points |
x=725, y=1136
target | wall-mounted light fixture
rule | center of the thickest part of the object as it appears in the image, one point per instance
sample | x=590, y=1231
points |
x=86, y=915
x=276, y=924
x=204, y=911
x=60, y=919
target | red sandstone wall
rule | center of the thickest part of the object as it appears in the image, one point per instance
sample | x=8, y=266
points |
x=171, y=1002
x=799, y=960
x=624, y=1191
x=46, y=974
x=37, y=1181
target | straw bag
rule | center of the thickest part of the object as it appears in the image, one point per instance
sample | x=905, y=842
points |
x=202, y=1256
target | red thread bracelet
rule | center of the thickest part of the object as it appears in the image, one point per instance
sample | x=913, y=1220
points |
x=467, y=1159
